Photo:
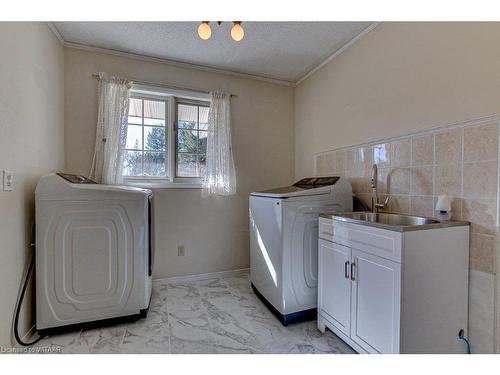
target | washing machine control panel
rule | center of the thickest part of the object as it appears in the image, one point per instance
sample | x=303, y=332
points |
x=314, y=182
x=76, y=179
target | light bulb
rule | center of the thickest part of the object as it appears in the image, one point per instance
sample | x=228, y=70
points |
x=204, y=30
x=237, y=32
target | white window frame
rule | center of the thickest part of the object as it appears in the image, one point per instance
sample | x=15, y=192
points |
x=170, y=96
x=191, y=102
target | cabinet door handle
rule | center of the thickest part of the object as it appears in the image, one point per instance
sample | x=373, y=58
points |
x=346, y=269
x=353, y=265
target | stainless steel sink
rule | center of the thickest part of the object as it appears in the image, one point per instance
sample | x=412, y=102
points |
x=390, y=221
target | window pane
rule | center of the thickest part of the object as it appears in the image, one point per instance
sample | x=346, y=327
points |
x=154, y=121
x=154, y=109
x=202, y=165
x=203, y=115
x=132, y=163
x=187, y=113
x=191, y=143
x=186, y=125
x=202, y=143
x=186, y=165
x=135, y=107
x=134, y=137
x=154, y=164
x=187, y=140
x=135, y=120
x=154, y=138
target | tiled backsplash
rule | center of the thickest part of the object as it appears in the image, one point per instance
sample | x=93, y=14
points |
x=460, y=160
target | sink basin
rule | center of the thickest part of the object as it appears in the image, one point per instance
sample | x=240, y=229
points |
x=390, y=221
x=388, y=218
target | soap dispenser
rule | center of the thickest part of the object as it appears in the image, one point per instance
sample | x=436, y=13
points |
x=443, y=208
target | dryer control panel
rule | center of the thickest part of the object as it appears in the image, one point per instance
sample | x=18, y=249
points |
x=315, y=182
x=76, y=179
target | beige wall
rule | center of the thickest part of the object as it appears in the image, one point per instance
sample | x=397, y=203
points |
x=404, y=78
x=31, y=144
x=213, y=230
x=398, y=79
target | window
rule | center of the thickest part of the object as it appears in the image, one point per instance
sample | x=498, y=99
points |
x=145, y=153
x=191, y=150
x=166, y=138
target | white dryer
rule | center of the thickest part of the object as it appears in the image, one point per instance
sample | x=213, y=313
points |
x=284, y=243
x=94, y=251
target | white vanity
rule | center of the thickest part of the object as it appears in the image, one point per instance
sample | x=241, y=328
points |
x=393, y=283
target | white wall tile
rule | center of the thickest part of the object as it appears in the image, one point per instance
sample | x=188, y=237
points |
x=481, y=312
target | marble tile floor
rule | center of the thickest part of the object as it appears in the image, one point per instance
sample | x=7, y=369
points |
x=219, y=315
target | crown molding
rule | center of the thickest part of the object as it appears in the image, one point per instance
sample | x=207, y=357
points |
x=179, y=64
x=212, y=69
x=56, y=32
x=338, y=52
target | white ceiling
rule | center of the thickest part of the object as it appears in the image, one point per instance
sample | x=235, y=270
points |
x=280, y=50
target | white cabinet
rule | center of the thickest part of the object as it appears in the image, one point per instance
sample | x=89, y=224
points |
x=359, y=294
x=384, y=291
x=375, y=302
x=334, y=295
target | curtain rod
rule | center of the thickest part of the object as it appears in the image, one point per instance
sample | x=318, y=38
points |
x=96, y=75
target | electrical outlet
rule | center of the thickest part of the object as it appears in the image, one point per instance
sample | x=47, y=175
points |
x=8, y=181
x=180, y=250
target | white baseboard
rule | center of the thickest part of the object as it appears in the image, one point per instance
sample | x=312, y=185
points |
x=203, y=276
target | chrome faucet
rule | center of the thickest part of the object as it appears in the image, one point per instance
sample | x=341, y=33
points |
x=376, y=206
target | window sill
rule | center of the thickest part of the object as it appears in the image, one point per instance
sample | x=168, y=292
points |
x=162, y=184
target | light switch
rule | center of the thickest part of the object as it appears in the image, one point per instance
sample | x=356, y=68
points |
x=8, y=181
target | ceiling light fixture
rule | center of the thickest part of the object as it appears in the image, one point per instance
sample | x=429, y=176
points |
x=237, y=32
x=204, y=30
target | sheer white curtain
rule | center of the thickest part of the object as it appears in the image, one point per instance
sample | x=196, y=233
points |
x=221, y=177
x=111, y=135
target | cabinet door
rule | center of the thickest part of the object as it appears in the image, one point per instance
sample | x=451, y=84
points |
x=376, y=297
x=334, y=289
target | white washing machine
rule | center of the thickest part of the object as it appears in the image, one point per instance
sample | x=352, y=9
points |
x=284, y=243
x=94, y=251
